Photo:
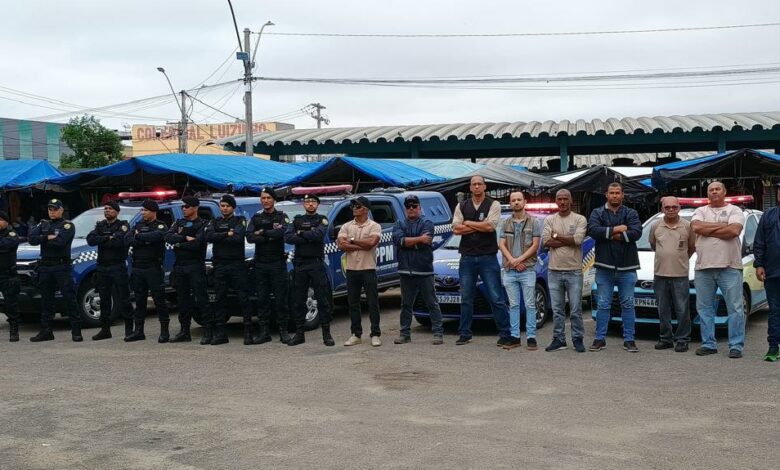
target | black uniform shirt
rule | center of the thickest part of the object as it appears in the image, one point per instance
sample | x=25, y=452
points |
x=188, y=252
x=110, y=238
x=266, y=231
x=307, y=233
x=227, y=248
x=148, y=242
x=9, y=242
x=58, y=248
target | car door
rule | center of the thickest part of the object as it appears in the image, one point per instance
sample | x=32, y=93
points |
x=757, y=292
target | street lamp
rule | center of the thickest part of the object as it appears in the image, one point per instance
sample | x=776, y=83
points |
x=180, y=104
x=257, y=42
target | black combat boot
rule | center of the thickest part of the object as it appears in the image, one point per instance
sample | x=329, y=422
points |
x=262, y=335
x=220, y=336
x=183, y=336
x=14, y=335
x=207, y=335
x=284, y=336
x=128, y=328
x=165, y=335
x=327, y=339
x=248, y=335
x=43, y=335
x=137, y=334
x=104, y=333
x=299, y=338
x=75, y=334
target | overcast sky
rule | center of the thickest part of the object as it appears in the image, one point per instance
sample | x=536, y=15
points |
x=96, y=53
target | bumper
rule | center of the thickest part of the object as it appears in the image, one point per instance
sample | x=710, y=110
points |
x=645, y=306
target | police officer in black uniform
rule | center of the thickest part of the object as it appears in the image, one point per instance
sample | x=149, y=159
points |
x=188, y=238
x=9, y=280
x=147, y=238
x=266, y=230
x=109, y=236
x=307, y=233
x=227, y=235
x=55, y=271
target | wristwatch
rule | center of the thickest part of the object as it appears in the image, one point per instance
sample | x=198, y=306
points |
x=352, y=239
x=555, y=235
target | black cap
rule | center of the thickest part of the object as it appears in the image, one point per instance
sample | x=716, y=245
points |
x=55, y=203
x=229, y=200
x=112, y=204
x=191, y=201
x=269, y=191
x=411, y=199
x=4, y=216
x=360, y=201
x=151, y=205
x=311, y=197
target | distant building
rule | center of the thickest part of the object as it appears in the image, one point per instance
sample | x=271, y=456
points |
x=32, y=140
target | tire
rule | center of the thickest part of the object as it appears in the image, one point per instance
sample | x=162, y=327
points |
x=424, y=321
x=746, y=303
x=542, y=306
x=88, y=303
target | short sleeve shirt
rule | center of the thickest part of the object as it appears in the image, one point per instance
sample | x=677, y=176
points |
x=671, y=248
x=361, y=259
x=566, y=258
x=712, y=252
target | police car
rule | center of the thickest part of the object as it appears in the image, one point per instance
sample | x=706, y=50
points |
x=645, y=302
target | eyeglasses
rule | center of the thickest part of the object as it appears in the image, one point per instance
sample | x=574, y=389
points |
x=411, y=206
x=355, y=206
x=667, y=208
x=185, y=206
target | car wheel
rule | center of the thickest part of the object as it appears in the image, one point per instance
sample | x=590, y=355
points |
x=746, y=303
x=424, y=321
x=89, y=303
x=542, y=307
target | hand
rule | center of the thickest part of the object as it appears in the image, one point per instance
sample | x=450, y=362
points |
x=619, y=229
x=518, y=265
x=189, y=239
x=761, y=274
x=426, y=239
x=616, y=236
x=51, y=237
x=230, y=232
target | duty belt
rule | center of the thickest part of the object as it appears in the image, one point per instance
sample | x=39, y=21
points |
x=55, y=261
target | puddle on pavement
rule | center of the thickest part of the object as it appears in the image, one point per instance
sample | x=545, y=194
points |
x=404, y=380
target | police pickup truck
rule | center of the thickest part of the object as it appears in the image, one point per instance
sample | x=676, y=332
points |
x=387, y=208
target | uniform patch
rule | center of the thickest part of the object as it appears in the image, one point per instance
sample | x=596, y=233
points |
x=243, y=222
x=286, y=220
x=324, y=221
x=11, y=234
x=161, y=226
x=67, y=226
x=124, y=228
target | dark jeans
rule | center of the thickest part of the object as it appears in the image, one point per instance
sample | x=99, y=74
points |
x=672, y=294
x=772, y=287
x=9, y=287
x=310, y=274
x=272, y=277
x=487, y=268
x=191, y=292
x=144, y=281
x=411, y=287
x=230, y=275
x=52, y=279
x=357, y=281
x=112, y=284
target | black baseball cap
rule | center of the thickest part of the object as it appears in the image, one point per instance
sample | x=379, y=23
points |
x=269, y=191
x=151, y=205
x=311, y=197
x=191, y=201
x=229, y=200
x=361, y=201
x=112, y=204
x=411, y=199
x=55, y=203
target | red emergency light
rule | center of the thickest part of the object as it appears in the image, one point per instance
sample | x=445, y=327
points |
x=332, y=189
x=158, y=194
x=699, y=201
x=541, y=206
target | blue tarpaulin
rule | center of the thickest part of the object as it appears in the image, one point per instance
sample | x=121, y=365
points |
x=18, y=174
x=448, y=169
x=366, y=171
x=742, y=163
x=215, y=171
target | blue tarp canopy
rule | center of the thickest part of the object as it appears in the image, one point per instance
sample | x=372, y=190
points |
x=735, y=164
x=365, y=173
x=446, y=168
x=19, y=174
x=245, y=174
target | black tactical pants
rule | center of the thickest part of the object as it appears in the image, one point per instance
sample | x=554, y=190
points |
x=191, y=293
x=114, y=291
x=144, y=281
x=51, y=279
x=227, y=276
x=272, y=278
x=9, y=287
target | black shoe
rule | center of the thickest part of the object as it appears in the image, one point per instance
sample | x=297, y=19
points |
x=556, y=345
x=530, y=343
x=104, y=333
x=207, y=336
x=579, y=345
x=512, y=343
x=262, y=339
x=217, y=340
x=502, y=342
x=598, y=345
x=76, y=337
x=630, y=346
x=248, y=341
x=327, y=339
x=138, y=335
x=299, y=338
x=735, y=354
x=182, y=337
x=702, y=351
x=663, y=345
x=165, y=336
x=14, y=334
x=128, y=328
x=43, y=336
x=462, y=340
x=402, y=340
x=681, y=347
x=284, y=336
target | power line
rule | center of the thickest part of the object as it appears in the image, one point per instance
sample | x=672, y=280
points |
x=215, y=109
x=552, y=33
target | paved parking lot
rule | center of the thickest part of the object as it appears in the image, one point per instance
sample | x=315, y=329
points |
x=114, y=405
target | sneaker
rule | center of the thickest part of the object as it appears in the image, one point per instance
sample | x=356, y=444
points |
x=735, y=353
x=579, y=345
x=630, y=346
x=462, y=340
x=353, y=340
x=375, y=341
x=556, y=345
x=531, y=344
x=502, y=342
x=663, y=345
x=702, y=351
x=681, y=347
x=437, y=339
x=598, y=345
x=512, y=343
x=401, y=340
x=772, y=354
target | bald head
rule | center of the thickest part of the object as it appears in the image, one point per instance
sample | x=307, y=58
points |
x=671, y=208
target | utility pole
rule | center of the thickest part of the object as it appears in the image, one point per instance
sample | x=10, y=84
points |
x=183, y=124
x=250, y=147
x=317, y=114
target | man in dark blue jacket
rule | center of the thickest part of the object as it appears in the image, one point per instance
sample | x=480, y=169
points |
x=768, y=271
x=615, y=228
x=413, y=238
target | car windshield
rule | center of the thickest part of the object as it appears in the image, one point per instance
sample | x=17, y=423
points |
x=86, y=221
x=454, y=242
x=643, y=244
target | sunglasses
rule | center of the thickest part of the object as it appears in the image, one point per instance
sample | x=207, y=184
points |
x=411, y=206
x=355, y=205
x=185, y=206
x=671, y=207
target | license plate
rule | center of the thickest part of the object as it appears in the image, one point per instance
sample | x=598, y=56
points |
x=645, y=302
x=448, y=299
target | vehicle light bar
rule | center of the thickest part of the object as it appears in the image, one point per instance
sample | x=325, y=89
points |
x=332, y=189
x=541, y=206
x=159, y=194
x=703, y=201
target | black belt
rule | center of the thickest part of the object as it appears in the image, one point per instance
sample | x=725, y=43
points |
x=55, y=261
x=297, y=260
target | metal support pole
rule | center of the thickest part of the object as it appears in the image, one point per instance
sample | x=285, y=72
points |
x=564, y=151
x=183, y=124
x=250, y=145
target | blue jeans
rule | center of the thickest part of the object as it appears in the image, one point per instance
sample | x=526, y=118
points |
x=519, y=283
x=730, y=282
x=562, y=283
x=487, y=268
x=772, y=287
x=606, y=280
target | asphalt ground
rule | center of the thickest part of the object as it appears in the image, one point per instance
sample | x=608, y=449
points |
x=116, y=405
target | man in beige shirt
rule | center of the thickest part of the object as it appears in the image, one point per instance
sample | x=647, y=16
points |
x=563, y=234
x=674, y=242
x=719, y=265
x=359, y=238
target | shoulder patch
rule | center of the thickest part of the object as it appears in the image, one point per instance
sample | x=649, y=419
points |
x=67, y=226
x=124, y=228
x=286, y=220
x=11, y=234
x=324, y=221
x=243, y=222
x=161, y=226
